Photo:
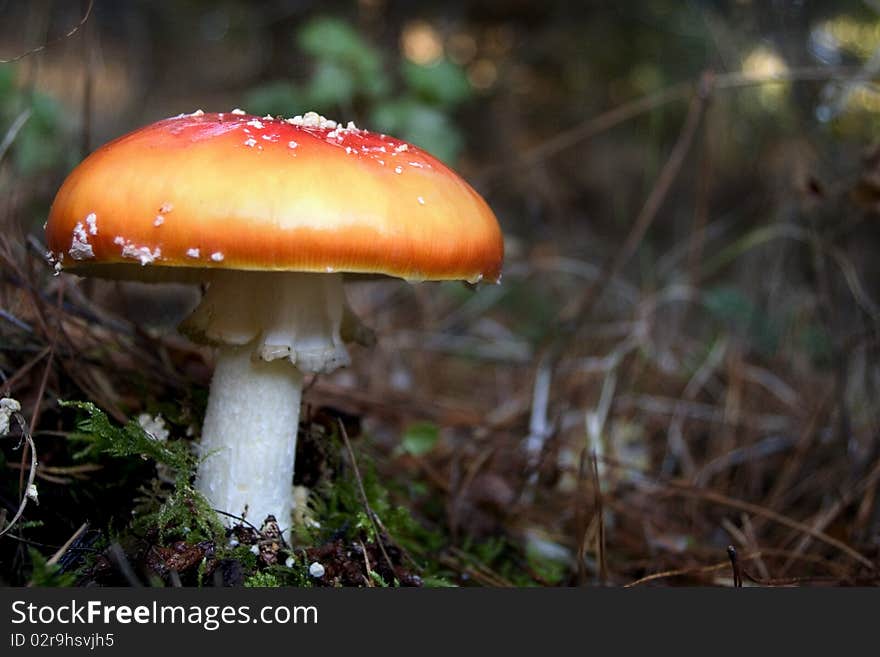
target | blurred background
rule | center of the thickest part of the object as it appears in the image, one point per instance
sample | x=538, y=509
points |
x=681, y=357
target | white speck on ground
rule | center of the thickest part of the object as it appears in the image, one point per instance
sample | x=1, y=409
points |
x=8, y=406
x=154, y=427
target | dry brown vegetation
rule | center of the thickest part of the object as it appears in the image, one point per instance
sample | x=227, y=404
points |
x=676, y=382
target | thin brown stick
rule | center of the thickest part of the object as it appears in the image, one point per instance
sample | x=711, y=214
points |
x=35, y=416
x=478, y=569
x=718, y=498
x=825, y=518
x=722, y=565
x=88, y=87
x=794, y=463
x=24, y=369
x=41, y=391
x=60, y=552
x=360, y=482
x=701, y=205
x=600, y=518
x=598, y=124
x=65, y=36
x=787, y=581
x=591, y=128
x=568, y=323
x=368, y=578
x=582, y=520
x=469, y=476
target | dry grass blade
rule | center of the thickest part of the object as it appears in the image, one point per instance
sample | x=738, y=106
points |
x=825, y=518
x=600, y=518
x=123, y=565
x=755, y=509
x=580, y=307
x=678, y=572
x=70, y=541
x=13, y=131
x=28, y=443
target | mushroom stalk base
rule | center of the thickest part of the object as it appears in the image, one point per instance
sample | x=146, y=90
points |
x=249, y=436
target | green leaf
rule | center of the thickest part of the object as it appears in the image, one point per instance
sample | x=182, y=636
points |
x=340, y=50
x=335, y=40
x=7, y=82
x=729, y=304
x=442, y=83
x=419, y=438
x=280, y=97
x=816, y=342
x=38, y=145
x=421, y=124
x=732, y=307
x=331, y=86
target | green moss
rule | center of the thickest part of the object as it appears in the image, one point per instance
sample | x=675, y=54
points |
x=176, y=511
x=102, y=437
x=262, y=580
x=46, y=574
x=297, y=574
x=240, y=553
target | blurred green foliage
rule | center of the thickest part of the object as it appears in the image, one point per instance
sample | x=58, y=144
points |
x=733, y=308
x=46, y=574
x=419, y=438
x=765, y=331
x=350, y=76
x=39, y=144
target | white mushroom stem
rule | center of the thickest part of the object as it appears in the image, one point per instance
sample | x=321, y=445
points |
x=270, y=328
x=249, y=436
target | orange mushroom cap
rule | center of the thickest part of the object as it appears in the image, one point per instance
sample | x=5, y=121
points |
x=235, y=191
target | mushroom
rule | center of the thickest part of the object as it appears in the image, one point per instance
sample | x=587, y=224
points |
x=270, y=213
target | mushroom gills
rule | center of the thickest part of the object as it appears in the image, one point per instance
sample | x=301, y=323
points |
x=290, y=315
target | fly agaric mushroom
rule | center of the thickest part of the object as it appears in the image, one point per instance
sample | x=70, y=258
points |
x=269, y=212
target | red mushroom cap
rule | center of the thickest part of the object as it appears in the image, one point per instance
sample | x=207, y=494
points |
x=236, y=191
